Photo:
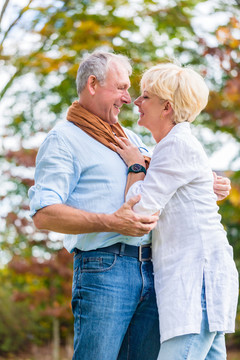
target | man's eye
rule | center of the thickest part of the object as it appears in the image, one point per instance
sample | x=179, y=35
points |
x=145, y=97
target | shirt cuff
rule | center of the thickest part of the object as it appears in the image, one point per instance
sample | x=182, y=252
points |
x=40, y=198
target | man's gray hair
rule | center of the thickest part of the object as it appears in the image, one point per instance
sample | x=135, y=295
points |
x=97, y=64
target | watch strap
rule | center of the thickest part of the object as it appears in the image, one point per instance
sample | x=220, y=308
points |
x=137, y=168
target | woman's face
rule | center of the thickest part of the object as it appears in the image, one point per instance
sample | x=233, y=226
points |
x=151, y=108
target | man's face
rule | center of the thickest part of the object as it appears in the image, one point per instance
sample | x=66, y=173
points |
x=110, y=96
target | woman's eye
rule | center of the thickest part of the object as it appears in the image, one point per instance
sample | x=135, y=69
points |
x=145, y=97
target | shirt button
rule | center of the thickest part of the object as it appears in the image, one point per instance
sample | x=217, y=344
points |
x=38, y=187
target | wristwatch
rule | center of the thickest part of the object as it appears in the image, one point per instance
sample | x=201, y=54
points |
x=137, y=168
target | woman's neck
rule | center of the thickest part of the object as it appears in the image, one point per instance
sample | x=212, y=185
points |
x=163, y=131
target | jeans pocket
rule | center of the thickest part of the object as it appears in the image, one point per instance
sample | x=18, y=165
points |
x=98, y=262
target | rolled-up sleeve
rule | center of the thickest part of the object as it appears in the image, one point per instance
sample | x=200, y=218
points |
x=173, y=165
x=55, y=175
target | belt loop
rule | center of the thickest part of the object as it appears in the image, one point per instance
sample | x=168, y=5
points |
x=122, y=248
x=140, y=253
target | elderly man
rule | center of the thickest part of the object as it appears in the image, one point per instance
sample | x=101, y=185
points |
x=79, y=187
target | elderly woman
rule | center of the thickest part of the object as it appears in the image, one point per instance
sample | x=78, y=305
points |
x=196, y=280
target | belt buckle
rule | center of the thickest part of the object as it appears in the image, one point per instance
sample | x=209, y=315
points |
x=140, y=258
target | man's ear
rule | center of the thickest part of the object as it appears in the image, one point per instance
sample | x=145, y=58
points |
x=92, y=84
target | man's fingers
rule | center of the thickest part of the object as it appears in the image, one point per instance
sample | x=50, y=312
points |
x=148, y=219
x=144, y=229
x=134, y=200
x=144, y=219
x=148, y=227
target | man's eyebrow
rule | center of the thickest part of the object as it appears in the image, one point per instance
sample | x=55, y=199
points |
x=125, y=85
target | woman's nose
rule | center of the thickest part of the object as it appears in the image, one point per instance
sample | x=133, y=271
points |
x=137, y=101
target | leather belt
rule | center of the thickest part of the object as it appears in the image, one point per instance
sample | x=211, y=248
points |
x=142, y=252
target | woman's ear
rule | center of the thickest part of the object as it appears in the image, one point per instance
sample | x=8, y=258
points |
x=92, y=84
x=168, y=107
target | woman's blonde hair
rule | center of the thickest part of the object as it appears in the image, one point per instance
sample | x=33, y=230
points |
x=184, y=88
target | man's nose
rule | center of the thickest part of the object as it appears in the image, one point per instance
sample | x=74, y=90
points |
x=126, y=98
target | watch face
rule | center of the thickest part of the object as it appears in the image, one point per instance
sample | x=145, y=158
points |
x=136, y=167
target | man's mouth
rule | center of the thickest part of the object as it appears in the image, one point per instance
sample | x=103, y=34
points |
x=117, y=107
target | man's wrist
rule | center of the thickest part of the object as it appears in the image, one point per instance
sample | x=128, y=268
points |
x=107, y=221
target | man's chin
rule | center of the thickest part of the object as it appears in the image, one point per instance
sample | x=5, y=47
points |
x=113, y=121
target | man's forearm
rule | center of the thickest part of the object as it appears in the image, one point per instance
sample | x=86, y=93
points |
x=67, y=220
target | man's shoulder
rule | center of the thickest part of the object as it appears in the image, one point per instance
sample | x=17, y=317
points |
x=62, y=128
x=66, y=131
x=62, y=135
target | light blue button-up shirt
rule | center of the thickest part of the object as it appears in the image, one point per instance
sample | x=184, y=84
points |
x=74, y=169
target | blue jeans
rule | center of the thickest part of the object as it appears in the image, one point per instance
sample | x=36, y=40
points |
x=114, y=307
x=204, y=346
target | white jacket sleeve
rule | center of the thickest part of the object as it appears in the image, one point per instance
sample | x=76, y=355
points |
x=174, y=164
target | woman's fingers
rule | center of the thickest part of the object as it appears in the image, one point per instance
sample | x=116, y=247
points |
x=125, y=140
x=121, y=143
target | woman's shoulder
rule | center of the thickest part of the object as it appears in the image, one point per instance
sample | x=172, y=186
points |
x=181, y=144
x=181, y=136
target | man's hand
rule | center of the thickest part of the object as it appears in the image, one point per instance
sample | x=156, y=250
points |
x=67, y=220
x=126, y=222
x=221, y=186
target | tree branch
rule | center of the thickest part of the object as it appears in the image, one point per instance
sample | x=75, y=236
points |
x=3, y=10
x=14, y=22
x=20, y=71
x=9, y=83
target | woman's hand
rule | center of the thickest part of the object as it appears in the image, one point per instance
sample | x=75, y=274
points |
x=129, y=152
x=221, y=186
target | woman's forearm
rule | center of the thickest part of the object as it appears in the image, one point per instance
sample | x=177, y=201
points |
x=132, y=178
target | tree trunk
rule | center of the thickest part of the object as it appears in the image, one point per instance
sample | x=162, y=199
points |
x=69, y=346
x=56, y=339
